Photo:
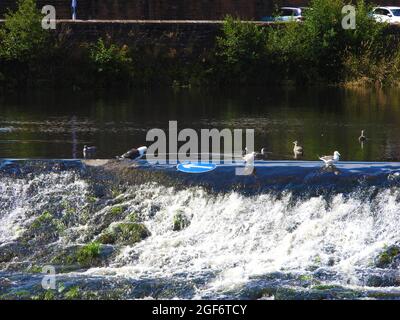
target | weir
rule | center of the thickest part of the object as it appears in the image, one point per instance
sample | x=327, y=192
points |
x=311, y=237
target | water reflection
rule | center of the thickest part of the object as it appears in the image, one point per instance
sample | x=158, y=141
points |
x=59, y=124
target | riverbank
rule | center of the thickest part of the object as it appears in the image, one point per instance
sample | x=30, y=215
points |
x=100, y=53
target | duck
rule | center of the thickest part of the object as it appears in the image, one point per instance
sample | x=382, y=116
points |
x=262, y=155
x=134, y=154
x=89, y=151
x=362, y=138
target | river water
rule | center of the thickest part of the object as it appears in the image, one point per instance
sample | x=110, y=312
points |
x=57, y=125
x=292, y=230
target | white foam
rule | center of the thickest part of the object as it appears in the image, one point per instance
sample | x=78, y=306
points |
x=238, y=237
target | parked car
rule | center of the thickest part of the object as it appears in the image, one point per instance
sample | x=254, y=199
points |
x=386, y=14
x=287, y=14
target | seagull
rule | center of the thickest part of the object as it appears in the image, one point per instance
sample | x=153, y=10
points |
x=297, y=149
x=88, y=151
x=330, y=160
x=245, y=151
x=362, y=138
x=134, y=154
x=249, y=158
x=262, y=155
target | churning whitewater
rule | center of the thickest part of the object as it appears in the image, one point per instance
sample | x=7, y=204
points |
x=162, y=239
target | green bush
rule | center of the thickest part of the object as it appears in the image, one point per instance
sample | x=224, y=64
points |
x=241, y=52
x=317, y=50
x=110, y=63
x=22, y=37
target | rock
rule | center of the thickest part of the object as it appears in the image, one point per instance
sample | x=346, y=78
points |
x=386, y=279
x=125, y=234
x=389, y=258
x=5, y=282
x=180, y=221
x=9, y=251
x=93, y=254
x=44, y=229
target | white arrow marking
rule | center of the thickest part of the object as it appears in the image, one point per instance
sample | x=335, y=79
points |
x=190, y=166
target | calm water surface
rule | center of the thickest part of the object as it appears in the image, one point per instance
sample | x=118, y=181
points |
x=58, y=124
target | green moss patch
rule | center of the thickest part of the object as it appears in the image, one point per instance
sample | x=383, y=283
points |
x=125, y=234
x=386, y=258
x=180, y=221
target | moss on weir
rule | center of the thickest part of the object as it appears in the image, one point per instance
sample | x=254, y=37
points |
x=124, y=234
x=88, y=254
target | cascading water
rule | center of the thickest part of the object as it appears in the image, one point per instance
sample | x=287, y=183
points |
x=308, y=238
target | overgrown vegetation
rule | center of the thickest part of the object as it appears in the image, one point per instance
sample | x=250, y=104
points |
x=24, y=45
x=110, y=63
x=319, y=50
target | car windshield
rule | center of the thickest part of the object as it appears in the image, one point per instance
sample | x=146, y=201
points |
x=396, y=12
x=288, y=12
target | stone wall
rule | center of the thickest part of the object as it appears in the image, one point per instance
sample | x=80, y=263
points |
x=161, y=9
x=183, y=40
x=168, y=9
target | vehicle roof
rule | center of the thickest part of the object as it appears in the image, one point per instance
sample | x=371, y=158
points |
x=295, y=8
x=387, y=7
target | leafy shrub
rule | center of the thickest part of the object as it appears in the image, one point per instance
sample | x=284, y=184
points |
x=22, y=37
x=110, y=63
x=241, y=52
x=319, y=49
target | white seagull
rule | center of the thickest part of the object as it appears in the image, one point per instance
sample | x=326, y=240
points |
x=330, y=160
x=297, y=148
x=249, y=158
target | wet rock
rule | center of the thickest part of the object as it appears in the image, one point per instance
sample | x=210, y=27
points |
x=5, y=283
x=90, y=255
x=389, y=258
x=386, y=279
x=124, y=234
x=114, y=214
x=180, y=221
x=12, y=250
x=44, y=229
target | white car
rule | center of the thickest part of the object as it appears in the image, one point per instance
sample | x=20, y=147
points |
x=386, y=14
x=287, y=14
